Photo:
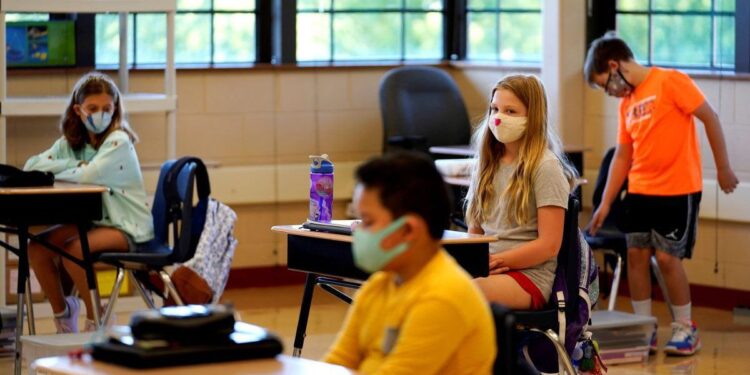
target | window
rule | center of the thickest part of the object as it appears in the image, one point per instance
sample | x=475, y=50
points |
x=348, y=30
x=13, y=17
x=206, y=32
x=679, y=33
x=504, y=30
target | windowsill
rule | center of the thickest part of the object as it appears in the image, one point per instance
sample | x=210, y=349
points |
x=333, y=65
x=496, y=65
x=370, y=64
x=717, y=74
x=237, y=66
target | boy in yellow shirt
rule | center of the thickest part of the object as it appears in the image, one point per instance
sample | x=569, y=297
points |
x=419, y=312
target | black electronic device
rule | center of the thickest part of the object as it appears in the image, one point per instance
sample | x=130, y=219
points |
x=335, y=226
x=183, y=335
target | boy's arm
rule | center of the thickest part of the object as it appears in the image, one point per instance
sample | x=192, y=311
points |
x=727, y=180
x=429, y=336
x=618, y=172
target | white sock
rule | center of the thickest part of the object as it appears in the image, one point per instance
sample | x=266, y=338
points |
x=65, y=313
x=642, y=307
x=682, y=313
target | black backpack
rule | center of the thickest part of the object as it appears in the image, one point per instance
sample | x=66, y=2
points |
x=11, y=176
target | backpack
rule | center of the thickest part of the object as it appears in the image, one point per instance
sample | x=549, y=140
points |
x=11, y=176
x=202, y=278
x=213, y=255
x=573, y=325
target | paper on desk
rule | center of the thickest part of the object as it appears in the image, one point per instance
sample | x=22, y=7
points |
x=455, y=167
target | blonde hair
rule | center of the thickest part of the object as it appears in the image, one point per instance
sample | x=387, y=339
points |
x=72, y=127
x=538, y=138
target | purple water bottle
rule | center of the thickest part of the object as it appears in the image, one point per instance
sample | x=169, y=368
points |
x=321, y=189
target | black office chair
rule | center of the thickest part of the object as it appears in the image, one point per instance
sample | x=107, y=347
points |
x=422, y=107
x=186, y=222
x=609, y=239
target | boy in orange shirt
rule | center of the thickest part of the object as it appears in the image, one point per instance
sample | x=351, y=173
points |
x=658, y=152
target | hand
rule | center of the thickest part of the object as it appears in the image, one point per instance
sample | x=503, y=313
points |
x=597, y=220
x=82, y=163
x=727, y=180
x=496, y=265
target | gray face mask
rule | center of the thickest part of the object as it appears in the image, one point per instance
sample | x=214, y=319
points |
x=97, y=122
x=617, y=85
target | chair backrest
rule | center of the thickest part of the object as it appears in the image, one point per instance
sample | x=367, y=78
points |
x=578, y=287
x=422, y=107
x=568, y=259
x=617, y=209
x=577, y=269
x=173, y=206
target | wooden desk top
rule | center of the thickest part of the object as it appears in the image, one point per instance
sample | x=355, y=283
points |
x=60, y=187
x=281, y=365
x=466, y=150
x=457, y=180
x=449, y=236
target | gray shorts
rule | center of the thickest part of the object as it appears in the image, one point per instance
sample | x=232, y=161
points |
x=666, y=223
x=131, y=242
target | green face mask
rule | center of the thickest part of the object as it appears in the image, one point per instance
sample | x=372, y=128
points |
x=368, y=255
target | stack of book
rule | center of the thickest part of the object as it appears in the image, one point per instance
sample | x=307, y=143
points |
x=622, y=337
x=7, y=332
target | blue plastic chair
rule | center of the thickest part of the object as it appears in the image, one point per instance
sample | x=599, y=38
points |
x=186, y=223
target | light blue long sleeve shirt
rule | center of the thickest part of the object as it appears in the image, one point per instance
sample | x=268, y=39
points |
x=114, y=165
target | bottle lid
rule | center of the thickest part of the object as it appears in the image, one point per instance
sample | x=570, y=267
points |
x=321, y=164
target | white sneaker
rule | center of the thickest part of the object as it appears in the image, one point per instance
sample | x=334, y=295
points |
x=69, y=324
x=685, y=340
x=91, y=326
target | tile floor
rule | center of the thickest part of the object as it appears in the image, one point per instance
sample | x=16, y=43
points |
x=725, y=337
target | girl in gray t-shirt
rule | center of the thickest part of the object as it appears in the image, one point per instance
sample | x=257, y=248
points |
x=519, y=193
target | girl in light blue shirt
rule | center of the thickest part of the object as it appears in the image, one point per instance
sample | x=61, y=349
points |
x=96, y=148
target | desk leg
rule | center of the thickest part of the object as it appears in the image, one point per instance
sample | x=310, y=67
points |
x=30, y=307
x=23, y=274
x=89, y=268
x=304, y=313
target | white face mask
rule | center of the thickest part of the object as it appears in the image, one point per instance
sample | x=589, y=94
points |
x=97, y=122
x=507, y=129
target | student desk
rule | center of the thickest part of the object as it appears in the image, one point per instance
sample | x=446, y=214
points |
x=573, y=152
x=281, y=365
x=62, y=203
x=327, y=259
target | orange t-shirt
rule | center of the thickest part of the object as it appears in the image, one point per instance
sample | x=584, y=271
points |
x=657, y=119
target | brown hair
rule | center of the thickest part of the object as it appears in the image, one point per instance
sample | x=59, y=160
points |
x=607, y=47
x=72, y=127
